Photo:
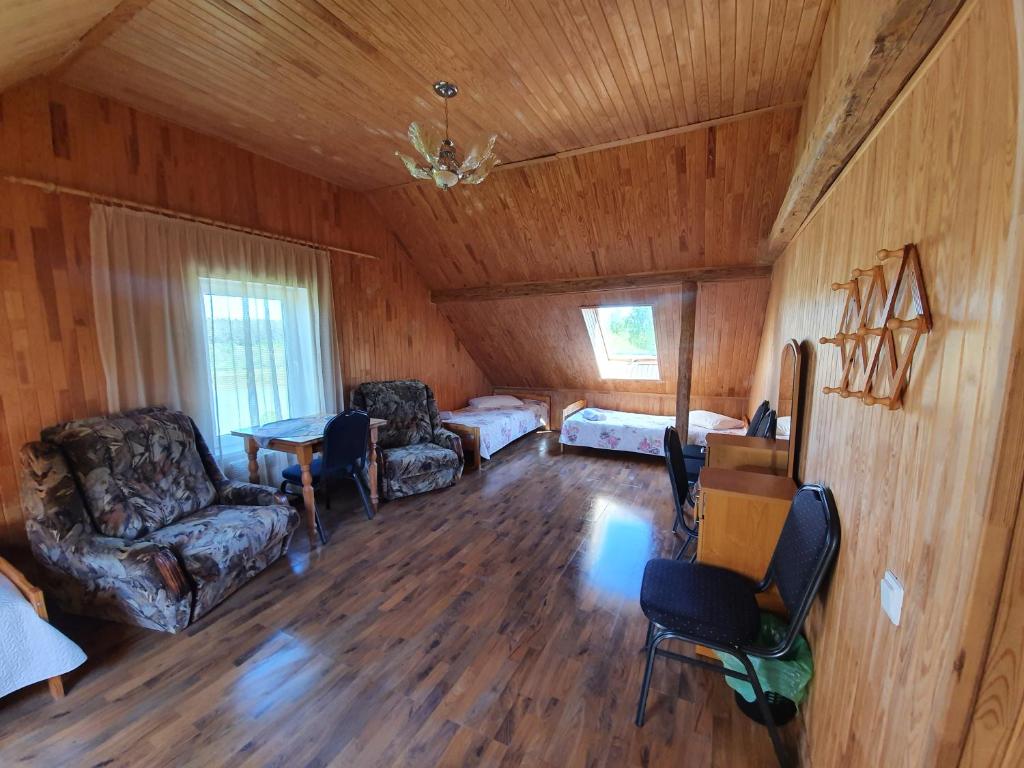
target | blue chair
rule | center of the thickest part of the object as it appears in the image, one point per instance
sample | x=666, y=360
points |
x=717, y=608
x=346, y=437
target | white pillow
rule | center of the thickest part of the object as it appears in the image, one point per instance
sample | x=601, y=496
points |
x=494, y=401
x=782, y=426
x=592, y=415
x=712, y=420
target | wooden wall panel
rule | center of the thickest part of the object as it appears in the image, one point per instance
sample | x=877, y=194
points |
x=49, y=368
x=917, y=489
x=330, y=87
x=542, y=342
x=703, y=198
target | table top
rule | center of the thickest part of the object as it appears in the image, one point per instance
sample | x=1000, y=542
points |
x=305, y=430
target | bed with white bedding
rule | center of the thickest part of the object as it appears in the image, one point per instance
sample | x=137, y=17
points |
x=636, y=432
x=490, y=423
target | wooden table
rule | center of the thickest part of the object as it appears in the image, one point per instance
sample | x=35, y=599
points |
x=303, y=449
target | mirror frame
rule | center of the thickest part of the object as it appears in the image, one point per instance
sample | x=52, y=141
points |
x=795, y=423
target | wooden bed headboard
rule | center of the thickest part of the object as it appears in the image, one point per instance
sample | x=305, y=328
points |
x=528, y=394
x=572, y=408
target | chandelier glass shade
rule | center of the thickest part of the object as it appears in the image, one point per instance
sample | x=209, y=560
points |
x=443, y=165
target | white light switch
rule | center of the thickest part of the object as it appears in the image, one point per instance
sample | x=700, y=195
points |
x=892, y=597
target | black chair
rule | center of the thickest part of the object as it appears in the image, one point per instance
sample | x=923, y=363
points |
x=682, y=493
x=755, y=420
x=343, y=457
x=717, y=608
x=767, y=426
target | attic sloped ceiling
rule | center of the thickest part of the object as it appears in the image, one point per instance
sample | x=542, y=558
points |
x=542, y=342
x=330, y=86
x=36, y=34
x=706, y=197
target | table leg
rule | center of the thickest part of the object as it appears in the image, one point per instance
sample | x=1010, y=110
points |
x=372, y=472
x=252, y=448
x=305, y=456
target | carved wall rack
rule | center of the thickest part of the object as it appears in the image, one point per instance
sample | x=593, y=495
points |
x=877, y=345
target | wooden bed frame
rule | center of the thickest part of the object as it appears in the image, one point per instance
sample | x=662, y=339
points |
x=35, y=596
x=470, y=436
x=568, y=411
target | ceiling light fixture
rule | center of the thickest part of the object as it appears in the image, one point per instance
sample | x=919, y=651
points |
x=443, y=165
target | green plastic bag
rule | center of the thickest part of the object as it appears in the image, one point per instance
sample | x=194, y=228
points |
x=788, y=676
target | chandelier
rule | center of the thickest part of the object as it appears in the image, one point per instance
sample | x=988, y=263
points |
x=443, y=165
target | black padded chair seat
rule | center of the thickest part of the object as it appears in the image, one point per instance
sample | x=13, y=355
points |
x=700, y=600
x=293, y=474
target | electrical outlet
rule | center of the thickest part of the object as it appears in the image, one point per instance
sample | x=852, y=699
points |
x=892, y=597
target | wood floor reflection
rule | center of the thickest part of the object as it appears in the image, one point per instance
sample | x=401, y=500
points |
x=492, y=624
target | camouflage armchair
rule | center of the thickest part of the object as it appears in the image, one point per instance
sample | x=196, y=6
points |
x=417, y=453
x=132, y=519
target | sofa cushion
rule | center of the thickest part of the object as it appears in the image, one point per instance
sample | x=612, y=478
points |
x=419, y=468
x=138, y=471
x=405, y=405
x=222, y=547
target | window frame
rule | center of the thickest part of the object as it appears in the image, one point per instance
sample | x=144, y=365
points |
x=611, y=367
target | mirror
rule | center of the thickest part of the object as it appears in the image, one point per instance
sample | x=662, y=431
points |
x=791, y=374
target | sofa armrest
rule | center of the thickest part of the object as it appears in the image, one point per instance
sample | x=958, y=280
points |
x=241, y=494
x=136, y=582
x=448, y=439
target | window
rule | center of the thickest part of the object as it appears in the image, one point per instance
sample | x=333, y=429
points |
x=259, y=350
x=624, y=341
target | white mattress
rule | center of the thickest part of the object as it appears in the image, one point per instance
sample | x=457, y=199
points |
x=500, y=426
x=30, y=649
x=624, y=431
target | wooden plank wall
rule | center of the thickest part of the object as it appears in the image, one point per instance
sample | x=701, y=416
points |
x=916, y=488
x=542, y=342
x=49, y=368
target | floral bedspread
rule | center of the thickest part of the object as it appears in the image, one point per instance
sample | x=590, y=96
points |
x=618, y=431
x=621, y=431
x=500, y=426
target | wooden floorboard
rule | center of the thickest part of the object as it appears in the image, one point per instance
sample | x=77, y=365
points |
x=492, y=624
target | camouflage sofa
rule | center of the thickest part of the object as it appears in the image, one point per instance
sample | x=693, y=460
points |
x=133, y=520
x=417, y=453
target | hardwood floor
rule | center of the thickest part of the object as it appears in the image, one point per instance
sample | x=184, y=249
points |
x=492, y=624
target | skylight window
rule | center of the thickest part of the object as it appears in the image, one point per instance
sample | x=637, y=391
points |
x=624, y=341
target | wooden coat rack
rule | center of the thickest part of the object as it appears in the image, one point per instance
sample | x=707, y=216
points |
x=876, y=367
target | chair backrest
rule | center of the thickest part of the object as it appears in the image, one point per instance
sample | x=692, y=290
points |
x=806, y=548
x=676, y=466
x=345, y=439
x=766, y=427
x=138, y=471
x=407, y=405
x=755, y=420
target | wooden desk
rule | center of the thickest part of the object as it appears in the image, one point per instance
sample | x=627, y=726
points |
x=303, y=449
x=741, y=516
x=750, y=454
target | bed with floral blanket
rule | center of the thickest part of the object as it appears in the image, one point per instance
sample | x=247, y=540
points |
x=624, y=431
x=486, y=430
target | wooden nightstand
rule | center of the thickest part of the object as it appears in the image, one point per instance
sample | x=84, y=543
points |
x=470, y=437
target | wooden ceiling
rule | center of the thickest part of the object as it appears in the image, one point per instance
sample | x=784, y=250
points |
x=36, y=34
x=706, y=197
x=329, y=86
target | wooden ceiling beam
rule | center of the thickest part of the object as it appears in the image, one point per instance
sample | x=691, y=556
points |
x=122, y=13
x=604, y=283
x=904, y=34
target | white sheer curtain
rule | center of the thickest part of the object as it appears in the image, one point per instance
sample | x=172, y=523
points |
x=233, y=329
